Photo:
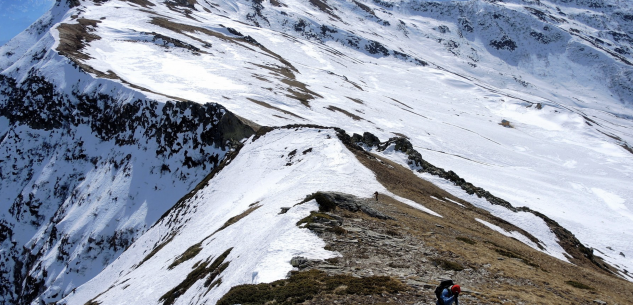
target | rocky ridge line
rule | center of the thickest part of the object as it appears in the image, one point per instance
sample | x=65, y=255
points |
x=566, y=239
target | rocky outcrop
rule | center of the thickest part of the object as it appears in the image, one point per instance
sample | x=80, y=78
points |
x=330, y=200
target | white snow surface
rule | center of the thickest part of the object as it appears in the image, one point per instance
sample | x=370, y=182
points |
x=567, y=160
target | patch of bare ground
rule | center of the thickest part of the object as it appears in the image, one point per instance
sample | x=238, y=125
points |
x=143, y=3
x=166, y=40
x=619, y=140
x=184, y=29
x=237, y=218
x=264, y=104
x=277, y=3
x=262, y=78
x=355, y=100
x=353, y=84
x=347, y=113
x=339, y=54
x=185, y=3
x=74, y=37
x=324, y=7
x=296, y=89
x=364, y=8
x=414, y=113
x=399, y=102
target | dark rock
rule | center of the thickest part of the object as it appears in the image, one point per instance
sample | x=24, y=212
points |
x=375, y=47
x=284, y=210
x=348, y=202
x=370, y=139
x=298, y=261
x=465, y=25
x=443, y=29
x=504, y=43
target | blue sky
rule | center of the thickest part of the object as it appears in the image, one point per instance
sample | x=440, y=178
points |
x=17, y=15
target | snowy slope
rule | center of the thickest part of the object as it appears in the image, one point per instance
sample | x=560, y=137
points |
x=445, y=74
x=265, y=174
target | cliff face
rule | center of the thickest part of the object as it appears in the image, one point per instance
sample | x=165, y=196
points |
x=115, y=113
x=85, y=175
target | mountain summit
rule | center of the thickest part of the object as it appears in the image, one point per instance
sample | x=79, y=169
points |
x=282, y=151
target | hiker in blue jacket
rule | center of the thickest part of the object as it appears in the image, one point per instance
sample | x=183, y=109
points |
x=449, y=295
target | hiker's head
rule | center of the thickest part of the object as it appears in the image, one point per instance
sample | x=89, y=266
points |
x=456, y=289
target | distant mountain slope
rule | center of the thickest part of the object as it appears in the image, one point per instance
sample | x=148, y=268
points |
x=112, y=111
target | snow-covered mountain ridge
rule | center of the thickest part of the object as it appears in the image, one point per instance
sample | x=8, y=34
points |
x=111, y=111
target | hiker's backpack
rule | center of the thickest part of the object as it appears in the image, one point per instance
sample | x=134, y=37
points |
x=438, y=291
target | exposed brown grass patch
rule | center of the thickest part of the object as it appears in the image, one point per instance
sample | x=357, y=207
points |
x=448, y=265
x=364, y=8
x=202, y=271
x=296, y=89
x=506, y=123
x=143, y=3
x=304, y=286
x=399, y=102
x=578, y=285
x=466, y=240
x=190, y=253
x=355, y=100
x=74, y=37
x=237, y=218
x=156, y=250
x=322, y=5
x=264, y=104
x=313, y=217
x=343, y=111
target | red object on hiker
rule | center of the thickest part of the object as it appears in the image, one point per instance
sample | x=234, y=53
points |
x=456, y=289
